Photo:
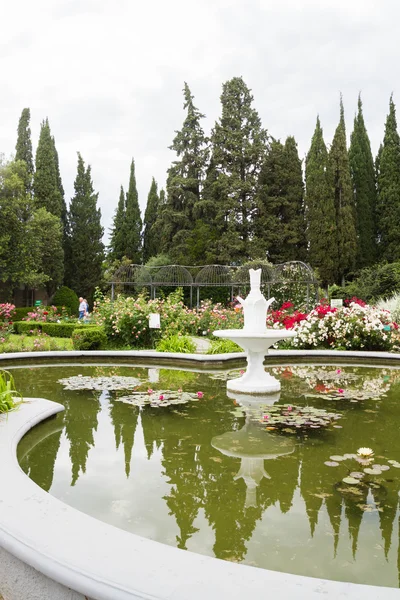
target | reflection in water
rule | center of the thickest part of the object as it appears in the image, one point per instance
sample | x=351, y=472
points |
x=196, y=477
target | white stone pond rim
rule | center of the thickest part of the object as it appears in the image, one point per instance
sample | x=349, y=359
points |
x=105, y=563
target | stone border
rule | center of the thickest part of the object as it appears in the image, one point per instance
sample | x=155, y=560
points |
x=50, y=540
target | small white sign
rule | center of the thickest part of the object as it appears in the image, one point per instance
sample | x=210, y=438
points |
x=154, y=321
x=336, y=302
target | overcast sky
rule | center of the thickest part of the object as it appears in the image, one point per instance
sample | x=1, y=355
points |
x=109, y=74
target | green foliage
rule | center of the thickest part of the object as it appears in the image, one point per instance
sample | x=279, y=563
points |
x=133, y=221
x=378, y=281
x=117, y=241
x=223, y=347
x=19, y=314
x=150, y=242
x=86, y=250
x=45, y=182
x=320, y=211
x=279, y=222
x=238, y=145
x=64, y=296
x=8, y=393
x=46, y=233
x=40, y=342
x=173, y=228
x=339, y=174
x=388, y=177
x=23, y=148
x=364, y=189
x=61, y=330
x=176, y=343
x=93, y=338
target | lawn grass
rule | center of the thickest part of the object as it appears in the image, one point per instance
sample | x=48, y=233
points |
x=31, y=343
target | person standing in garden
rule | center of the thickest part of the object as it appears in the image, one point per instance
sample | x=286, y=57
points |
x=82, y=308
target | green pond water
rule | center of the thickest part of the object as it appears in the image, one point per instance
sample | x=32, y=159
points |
x=208, y=477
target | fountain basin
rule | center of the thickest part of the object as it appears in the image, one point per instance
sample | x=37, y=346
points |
x=255, y=380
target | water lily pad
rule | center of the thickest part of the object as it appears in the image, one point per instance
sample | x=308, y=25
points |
x=350, y=455
x=381, y=467
x=351, y=480
x=337, y=457
x=372, y=471
x=357, y=474
x=111, y=384
x=331, y=463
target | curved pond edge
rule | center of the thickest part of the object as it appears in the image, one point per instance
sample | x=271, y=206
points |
x=52, y=551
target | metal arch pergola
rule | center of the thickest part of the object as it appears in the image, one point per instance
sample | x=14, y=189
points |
x=232, y=277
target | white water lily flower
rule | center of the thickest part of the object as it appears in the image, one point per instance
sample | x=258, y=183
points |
x=365, y=452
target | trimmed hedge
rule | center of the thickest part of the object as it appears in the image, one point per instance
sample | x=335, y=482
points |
x=93, y=338
x=62, y=330
x=64, y=296
x=22, y=312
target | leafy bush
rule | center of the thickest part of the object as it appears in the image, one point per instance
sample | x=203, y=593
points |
x=8, y=393
x=210, y=317
x=61, y=330
x=64, y=296
x=92, y=338
x=392, y=305
x=21, y=313
x=223, y=347
x=373, y=283
x=176, y=343
x=46, y=314
x=6, y=316
x=352, y=327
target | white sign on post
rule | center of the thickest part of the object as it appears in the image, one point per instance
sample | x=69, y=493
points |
x=154, y=321
x=336, y=302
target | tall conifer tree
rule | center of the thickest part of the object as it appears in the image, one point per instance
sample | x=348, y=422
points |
x=117, y=241
x=133, y=221
x=86, y=247
x=388, y=207
x=45, y=183
x=184, y=182
x=23, y=148
x=339, y=172
x=320, y=211
x=238, y=149
x=364, y=188
x=150, y=244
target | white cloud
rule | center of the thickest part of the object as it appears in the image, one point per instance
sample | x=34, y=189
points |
x=109, y=74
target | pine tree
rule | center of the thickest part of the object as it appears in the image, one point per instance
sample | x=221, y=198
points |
x=183, y=182
x=117, y=241
x=45, y=183
x=388, y=206
x=320, y=211
x=86, y=247
x=339, y=173
x=279, y=224
x=133, y=223
x=23, y=148
x=364, y=189
x=238, y=149
x=150, y=244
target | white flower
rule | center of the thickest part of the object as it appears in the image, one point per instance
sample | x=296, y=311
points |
x=365, y=452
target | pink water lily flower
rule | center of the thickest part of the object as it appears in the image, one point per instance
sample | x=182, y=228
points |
x=161, y=397
x=338, y=371
x=340, y=391
x=149, y=391
x=289, y=408
x=180, y=391
x=200, y=394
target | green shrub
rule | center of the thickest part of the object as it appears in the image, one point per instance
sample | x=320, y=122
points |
x=21, y=313
x=176, y=343
x=92, y=338
x=8, y=393
x=223, y=347
x=64, y=296
x=61, y=330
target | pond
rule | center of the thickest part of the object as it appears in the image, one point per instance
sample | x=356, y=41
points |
x=186, y=465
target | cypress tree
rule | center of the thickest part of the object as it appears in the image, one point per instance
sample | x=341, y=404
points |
x=150, y=244
x=320, y=211
x=388, y=206
x=117, y=241
x=45, y=183
x=339, y=172
x=238, y=149
x=133, y=223
x=279, y=224
x=183, y=182
x=364, y=189
x=86, y=247
x=23, y=148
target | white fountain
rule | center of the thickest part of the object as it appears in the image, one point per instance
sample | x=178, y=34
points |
x=255, y=339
